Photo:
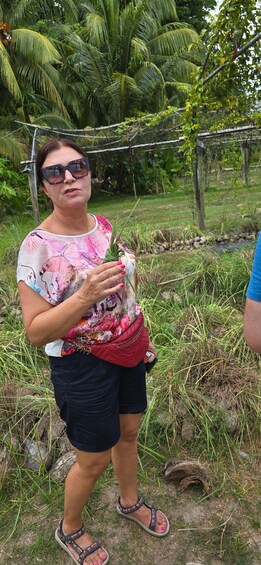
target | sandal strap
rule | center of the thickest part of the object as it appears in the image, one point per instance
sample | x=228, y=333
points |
x=137, y=506
x=153, y=521
x=70, y=540
x=67, y=538
x=88, y=551
x=130, y=509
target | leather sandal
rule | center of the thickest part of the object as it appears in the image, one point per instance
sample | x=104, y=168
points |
x=69, y=539
x=151, y=529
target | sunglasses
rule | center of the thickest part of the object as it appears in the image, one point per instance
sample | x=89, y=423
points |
x=55, y=174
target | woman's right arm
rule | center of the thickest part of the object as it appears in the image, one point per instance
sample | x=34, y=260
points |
x=45, y=323
x=252, y=324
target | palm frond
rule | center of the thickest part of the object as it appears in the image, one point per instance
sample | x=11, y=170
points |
x=128, y=27
x=111, y=13
x=163, y=10
x=151, y=82
x=70, y=10
x=12, y=148
x=43, y=79
x=95, y=30
x=170, y=42
x=139, y=49
x=123, y=92
x=30, y=10
x=147, y=27
x=7, y=76
x=33, y=46
x=18, y=11
x=178, y=69
x=54, y=120
x=90, y=7
x=92, y=67
x=149, y=78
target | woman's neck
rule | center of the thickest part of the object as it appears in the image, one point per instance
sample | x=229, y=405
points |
x=68, y=224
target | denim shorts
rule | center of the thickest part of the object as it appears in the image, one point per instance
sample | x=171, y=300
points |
x=91, y=394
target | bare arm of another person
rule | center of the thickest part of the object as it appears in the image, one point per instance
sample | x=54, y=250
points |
x=45, y=323
x=252, y=324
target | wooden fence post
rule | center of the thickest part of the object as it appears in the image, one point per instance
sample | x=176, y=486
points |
x=33, y=181
x=245, y=150
x=133, y=176
x=198, y=191
x=34, y=197
x=201, y=149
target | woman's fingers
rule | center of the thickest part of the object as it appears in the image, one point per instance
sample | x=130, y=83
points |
x=103, y=281
x=113, y=271
x=106, y=267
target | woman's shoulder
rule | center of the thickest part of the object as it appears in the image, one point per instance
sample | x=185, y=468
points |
x=35, y=237
x=103, y=223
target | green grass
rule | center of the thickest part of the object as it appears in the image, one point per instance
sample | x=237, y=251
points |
x=205, y=374
x=230, y=207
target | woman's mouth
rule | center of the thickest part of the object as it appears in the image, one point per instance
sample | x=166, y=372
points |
x=71, y=190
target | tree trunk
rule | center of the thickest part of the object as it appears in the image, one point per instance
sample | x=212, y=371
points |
x=245, y=150
x=198, y=192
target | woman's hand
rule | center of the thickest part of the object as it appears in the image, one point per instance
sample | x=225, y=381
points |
x=151, y=349
x=102, y=281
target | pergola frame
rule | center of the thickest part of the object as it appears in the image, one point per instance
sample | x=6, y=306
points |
x=244, y=134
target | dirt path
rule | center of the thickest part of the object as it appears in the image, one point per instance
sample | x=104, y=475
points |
x=209, y=532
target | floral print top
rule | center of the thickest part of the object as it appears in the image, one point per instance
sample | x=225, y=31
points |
x=55, y=267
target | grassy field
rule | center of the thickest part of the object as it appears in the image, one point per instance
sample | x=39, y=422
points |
x=204, y=395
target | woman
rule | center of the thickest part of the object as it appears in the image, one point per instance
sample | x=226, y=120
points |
x=71, y=301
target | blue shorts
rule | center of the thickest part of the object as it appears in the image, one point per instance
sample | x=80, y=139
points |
x=91, y=394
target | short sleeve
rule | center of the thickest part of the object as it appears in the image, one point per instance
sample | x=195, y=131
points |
x=254, y=288
x=31, y=266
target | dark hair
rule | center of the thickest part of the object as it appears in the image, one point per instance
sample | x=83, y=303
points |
x=50, y=146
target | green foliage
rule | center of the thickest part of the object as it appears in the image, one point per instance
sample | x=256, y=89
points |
x=128, y=59
x=235, y=88
x=195, y=12
x=14, y=192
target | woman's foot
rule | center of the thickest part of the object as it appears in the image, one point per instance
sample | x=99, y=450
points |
x=151, y=519
x=78, y=542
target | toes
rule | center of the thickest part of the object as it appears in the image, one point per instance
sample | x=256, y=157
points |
x=99, y=560
x=161, y=522
x=102, y=557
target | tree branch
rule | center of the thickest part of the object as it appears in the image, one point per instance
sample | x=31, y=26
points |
x=240, y=52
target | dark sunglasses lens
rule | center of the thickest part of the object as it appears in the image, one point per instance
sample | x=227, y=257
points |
x=79, y=168
x=56, y=173
x=53, y=174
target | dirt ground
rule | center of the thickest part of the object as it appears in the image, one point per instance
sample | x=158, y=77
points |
x=211, y=531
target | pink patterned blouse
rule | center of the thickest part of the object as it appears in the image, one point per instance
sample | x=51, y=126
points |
x=55, y=267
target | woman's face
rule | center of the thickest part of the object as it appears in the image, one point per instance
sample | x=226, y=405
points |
x=70, y=193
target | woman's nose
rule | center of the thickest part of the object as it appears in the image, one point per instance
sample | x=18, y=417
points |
x=68, y=176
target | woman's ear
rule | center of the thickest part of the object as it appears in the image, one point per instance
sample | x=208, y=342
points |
x=44, y=190
x=47, y=200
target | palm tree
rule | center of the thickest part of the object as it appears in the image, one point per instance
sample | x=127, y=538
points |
x=29, y=63
x=130, y=56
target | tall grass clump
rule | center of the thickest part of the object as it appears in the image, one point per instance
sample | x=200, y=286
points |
x=205, y=390
x=223, y=275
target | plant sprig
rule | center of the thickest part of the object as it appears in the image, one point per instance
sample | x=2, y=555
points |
x=114, y=250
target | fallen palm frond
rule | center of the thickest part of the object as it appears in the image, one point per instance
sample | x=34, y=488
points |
x=188, y=472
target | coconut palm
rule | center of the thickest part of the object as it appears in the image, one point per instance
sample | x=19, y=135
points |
x=130, y=56
x=29, y=62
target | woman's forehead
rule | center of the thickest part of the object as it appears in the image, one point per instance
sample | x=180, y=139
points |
x=61, y=156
